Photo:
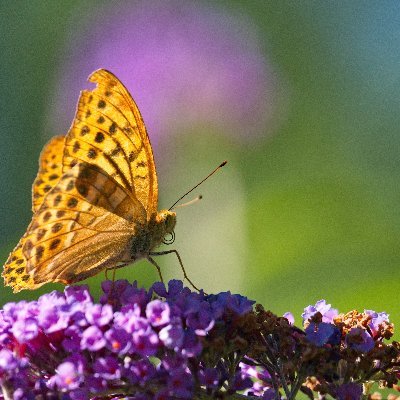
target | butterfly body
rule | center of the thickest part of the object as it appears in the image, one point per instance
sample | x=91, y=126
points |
x=151, y=236
x=95, y=196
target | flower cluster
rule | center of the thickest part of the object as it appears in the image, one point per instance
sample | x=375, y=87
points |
x=131, y=342
x=172, y=343
x=339, y=355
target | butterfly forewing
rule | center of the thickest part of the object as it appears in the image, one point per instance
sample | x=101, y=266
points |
x=108, y=131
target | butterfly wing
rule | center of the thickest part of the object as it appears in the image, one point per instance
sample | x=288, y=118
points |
x=81, y=227
x=14, y=273
x=108, y=131
x=50, y=169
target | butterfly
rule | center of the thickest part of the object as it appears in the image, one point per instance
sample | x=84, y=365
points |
x=95, y=196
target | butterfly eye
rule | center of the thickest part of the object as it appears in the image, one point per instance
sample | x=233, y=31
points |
x=169, y=238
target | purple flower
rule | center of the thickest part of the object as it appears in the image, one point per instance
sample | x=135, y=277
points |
x=95, y=383
x=67, y=376
x=25, y=329
x=175, y=288
x=54, y=299
x=328, y=313
x=191, y=345
x=160, y=289
x=78, y=295
x=92, y=339
x=180, y=384
x=204, y=68
x=107, y=368
x=172, y=361
x=320, y=334
x=134, y=295
x=201, y=321
x=20, y=311
x=22, y=394
x=233, y=302
x=99, y=315
x=377, y=320
x=349, y=391
x=360, y=340
x=140, y=371
x=118, y=340
x=289, y=316
x=7, y=361
x=127, y=317
x=79, y=394
x=136, y=324
x=254, y=372
x=72, y=339
x=158, y=313
x=172, y=335
x=51, y=319
x=145, y=342
x=112, y=291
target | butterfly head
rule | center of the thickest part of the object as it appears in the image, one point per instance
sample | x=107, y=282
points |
x=166, y=221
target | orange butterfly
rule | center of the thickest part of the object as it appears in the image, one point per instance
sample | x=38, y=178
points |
x=95, y=196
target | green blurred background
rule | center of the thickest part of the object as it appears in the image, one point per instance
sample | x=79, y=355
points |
x=306, y=209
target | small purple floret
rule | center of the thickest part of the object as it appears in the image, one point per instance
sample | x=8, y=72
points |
x=319, y=334
x=289, y=316
x=67, y=376
x=328, y=313
x=92, y=339
x=25, y=330
x=172, y=335
x=7, y=361
x=158, y=313
x=376, y=320
x=360, y=340
x=99, y=315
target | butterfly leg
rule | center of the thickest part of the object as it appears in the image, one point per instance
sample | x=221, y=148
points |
x=160, y=253
x=113, y=270
x=157, y=266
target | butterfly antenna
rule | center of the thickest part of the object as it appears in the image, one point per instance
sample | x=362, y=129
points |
x=191, y=190
x=195, y=200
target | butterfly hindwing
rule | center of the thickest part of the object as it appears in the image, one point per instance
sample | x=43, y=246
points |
x=50, y=170
x=78, y=223
x=15, y=273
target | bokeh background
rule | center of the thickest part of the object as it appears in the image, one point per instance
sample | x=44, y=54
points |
x=302, y=98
